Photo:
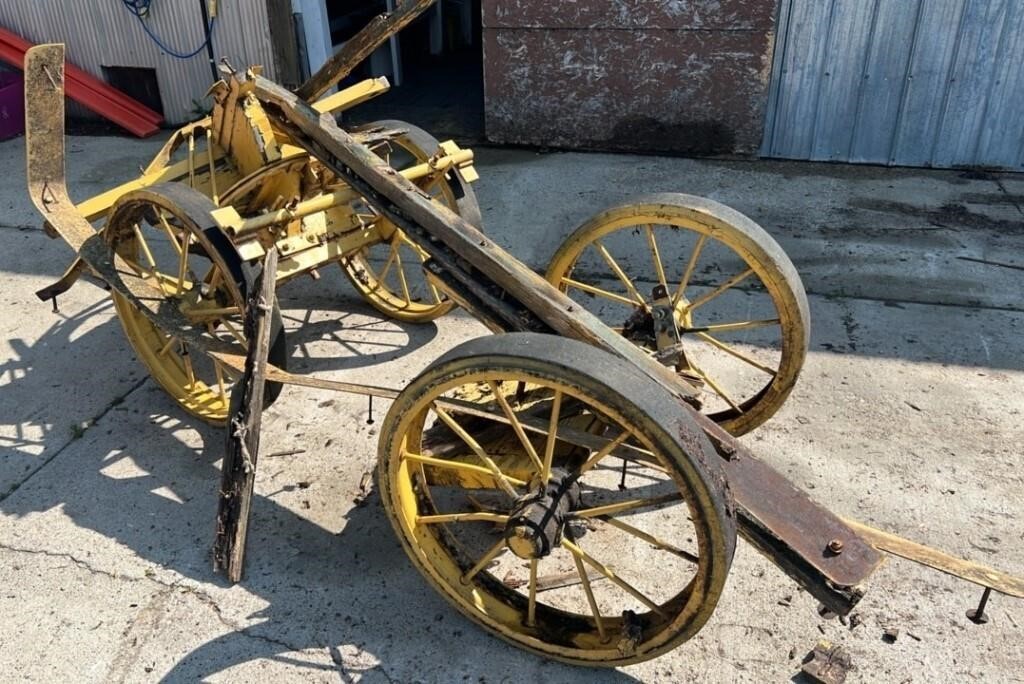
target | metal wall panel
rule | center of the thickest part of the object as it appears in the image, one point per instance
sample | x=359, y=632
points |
x=902, y=82
x=103, y=33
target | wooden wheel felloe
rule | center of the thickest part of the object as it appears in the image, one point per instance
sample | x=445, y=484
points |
x=166, y=235
x=702, y=288
x=579, y=517
x=390, y=274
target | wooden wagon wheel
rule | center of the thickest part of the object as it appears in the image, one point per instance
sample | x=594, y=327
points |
x=166, y=234
x=576, y=514
x=702, y=288
x=390, y=274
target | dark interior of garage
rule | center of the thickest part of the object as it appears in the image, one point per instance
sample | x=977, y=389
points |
x=435, y=67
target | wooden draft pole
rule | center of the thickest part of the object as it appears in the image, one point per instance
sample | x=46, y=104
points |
x=238, y=475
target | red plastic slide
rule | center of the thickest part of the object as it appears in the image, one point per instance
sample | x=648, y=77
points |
x=89, y=91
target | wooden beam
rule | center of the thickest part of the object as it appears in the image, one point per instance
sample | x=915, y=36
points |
x=375, y=34
x=238, y=475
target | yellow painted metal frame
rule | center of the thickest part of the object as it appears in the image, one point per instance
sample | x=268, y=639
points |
x=161, y=170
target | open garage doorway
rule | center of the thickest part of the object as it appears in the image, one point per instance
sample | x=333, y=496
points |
x=435, y=67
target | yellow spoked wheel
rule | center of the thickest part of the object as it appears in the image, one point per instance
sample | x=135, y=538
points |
x=390, y=274
x=703, y=289
x=166, y=235
x=559, y=510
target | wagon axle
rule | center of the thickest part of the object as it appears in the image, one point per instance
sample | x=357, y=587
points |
x=537, y=523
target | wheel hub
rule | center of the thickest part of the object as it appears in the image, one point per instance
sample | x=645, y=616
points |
x=538, y=519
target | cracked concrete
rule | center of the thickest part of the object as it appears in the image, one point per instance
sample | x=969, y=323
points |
x=907, y=416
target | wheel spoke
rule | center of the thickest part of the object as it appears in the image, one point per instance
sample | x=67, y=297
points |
x=605, y=450
x=190, y=372
x=650, y=539
x=691, y=266
x=218, y=369
x=491, y=554
x=739, y=325
x=381, y=282
x=503, y=480
x=716, y=387
x=549, y=448
x=446, y=464
x=631, y=505
x=612, y=577
x=614, y=265
x=401, y=275
x=183, y=263
x=589, y=591
x=144, y=246
x=482, y=516
x=732, y=282
x=171, y=341
x=234, y=332
x=568, y=434
x=737, y=354
x=659, y=267
x=594, y=290
x=170, y=232
x=516, y=426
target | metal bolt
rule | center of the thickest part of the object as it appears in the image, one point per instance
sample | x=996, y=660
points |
x=977, y=615
x=835, y=546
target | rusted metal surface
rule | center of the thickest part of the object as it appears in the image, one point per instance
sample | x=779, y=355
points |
x=795, y=532
x=828, y=663
x=665, y=77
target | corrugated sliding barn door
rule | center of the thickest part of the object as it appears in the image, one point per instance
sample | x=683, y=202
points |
x=904, y=82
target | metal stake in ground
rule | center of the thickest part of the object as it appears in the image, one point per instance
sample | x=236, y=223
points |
x=243, y=439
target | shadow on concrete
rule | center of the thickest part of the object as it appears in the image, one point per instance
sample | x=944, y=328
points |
x=346, y=588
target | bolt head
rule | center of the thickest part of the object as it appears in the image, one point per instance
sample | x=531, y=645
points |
x=835, y=546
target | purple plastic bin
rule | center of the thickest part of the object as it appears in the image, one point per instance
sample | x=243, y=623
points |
x=12, y=105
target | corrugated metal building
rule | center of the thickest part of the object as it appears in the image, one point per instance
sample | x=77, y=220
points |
x=907, y=82
x=103, y=33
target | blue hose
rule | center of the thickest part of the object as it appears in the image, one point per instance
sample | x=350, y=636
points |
x=140, y=8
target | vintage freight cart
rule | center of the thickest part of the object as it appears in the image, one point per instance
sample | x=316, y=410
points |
x=572, y=483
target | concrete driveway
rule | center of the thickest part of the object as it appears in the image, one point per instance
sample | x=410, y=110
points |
x=908, y=416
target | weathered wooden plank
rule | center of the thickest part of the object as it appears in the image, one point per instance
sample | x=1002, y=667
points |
x=375, y=34
x=238, y=474
x=943, y=562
